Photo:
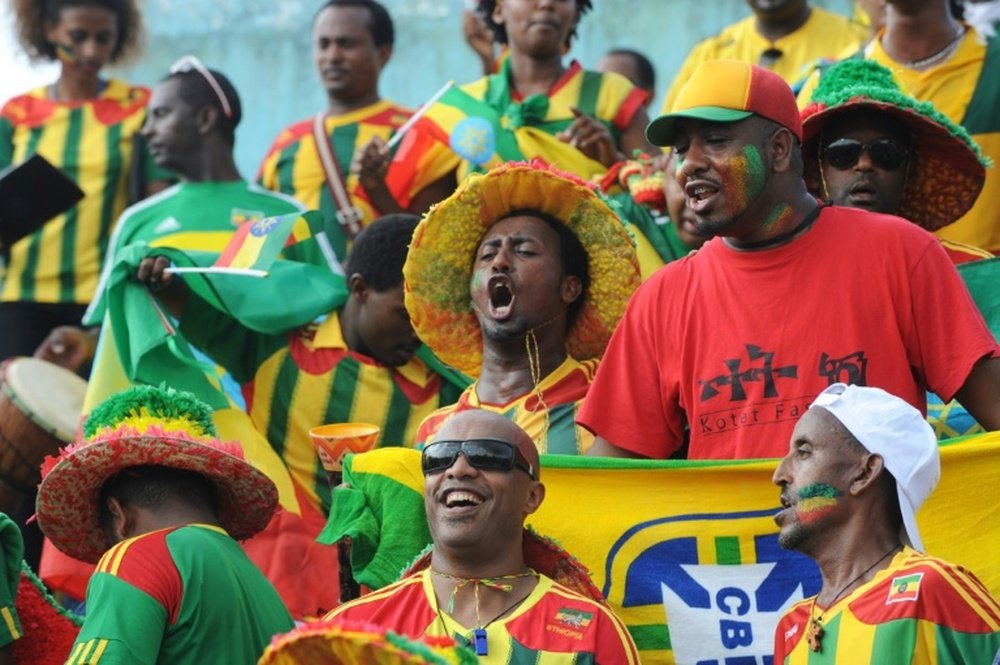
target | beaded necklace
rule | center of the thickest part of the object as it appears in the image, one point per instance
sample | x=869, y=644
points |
x=498, y=583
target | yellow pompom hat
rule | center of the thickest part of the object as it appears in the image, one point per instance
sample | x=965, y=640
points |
x=439, y=265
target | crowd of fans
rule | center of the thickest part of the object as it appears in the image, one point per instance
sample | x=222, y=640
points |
x=527, y=264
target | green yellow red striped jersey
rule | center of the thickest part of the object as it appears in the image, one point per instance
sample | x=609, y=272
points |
x=426, y=154
x=179, y=595
x=547, y=413
x=552, y=626
x=91, y=142
x=309, y=377
x=292, y=165
x=919, y=610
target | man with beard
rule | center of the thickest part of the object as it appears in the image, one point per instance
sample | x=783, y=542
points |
x=311, y=159
x=867, y=144
x=518, y=279
x=860, y=464
x=485, y=584
x=734, y=341
x=784, y=36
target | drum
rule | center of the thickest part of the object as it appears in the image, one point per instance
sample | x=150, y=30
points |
x=40, y=407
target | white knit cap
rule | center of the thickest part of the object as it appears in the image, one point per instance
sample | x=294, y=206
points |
x=890, y=427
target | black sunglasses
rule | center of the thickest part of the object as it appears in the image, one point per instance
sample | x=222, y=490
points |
x=887, y=154
x=484, y=454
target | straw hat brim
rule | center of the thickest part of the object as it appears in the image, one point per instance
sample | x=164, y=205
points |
x=945, y=175
x=68, y=497
x=439, y=264
x=334, y=642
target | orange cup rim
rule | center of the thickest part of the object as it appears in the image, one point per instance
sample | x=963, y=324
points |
x=344, y=430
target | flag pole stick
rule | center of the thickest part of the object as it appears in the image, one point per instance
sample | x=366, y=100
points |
x=217, y=270
x=398, y=136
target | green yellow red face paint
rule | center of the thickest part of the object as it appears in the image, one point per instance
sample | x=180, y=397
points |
x=779, y=218
x=743, y=179
x=65, y=53
x=816, y=501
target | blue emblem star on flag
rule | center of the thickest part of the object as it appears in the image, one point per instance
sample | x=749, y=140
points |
x=262, y=227
x=473, y=139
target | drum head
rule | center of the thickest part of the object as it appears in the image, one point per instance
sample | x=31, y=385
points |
x=50, y=395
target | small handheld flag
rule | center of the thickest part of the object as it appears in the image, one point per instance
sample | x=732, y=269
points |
x=257, y=244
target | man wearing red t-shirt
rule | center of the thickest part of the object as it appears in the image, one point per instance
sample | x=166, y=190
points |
x=733, y=342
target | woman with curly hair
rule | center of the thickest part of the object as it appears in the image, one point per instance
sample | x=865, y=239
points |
x=84, y=124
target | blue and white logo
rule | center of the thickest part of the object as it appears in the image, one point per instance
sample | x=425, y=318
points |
x=722, y=591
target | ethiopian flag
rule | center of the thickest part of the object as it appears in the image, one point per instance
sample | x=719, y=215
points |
x=257, y=244
x=673, y=543
x=484, y=123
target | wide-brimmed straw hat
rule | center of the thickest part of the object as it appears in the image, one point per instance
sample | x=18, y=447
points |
x=439, y=264
x=947, y=170
x=335, y=642
x=146, y=426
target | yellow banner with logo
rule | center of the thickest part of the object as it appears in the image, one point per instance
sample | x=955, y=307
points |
x=687, y=552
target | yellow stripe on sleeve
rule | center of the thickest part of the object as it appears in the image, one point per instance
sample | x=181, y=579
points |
x=74, y=654
x=8, y=619
x=99, y=651
x=84, y=657
x=974, y=595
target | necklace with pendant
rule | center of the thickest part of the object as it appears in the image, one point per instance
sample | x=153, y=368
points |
x=814, y=633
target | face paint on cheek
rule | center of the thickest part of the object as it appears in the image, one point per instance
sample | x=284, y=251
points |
x=744, y=178
x=65, y=53
x=476, y=281
x=816, y=501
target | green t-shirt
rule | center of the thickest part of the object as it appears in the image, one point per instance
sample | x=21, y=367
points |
x=12, y=549
x=179, y=595
x=190, y=215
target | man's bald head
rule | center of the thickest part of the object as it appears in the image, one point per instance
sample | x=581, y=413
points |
x=477, y=423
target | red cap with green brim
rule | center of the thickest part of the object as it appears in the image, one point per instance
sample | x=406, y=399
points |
x=729, y=91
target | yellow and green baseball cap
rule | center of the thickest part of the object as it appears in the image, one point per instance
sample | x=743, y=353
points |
x=728, y=91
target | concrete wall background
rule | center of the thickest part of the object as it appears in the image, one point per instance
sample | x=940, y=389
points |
x=264, y=47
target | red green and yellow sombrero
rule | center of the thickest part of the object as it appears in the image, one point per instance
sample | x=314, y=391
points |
x=947, y=169
x=144, y=426
x=439, y=264
x=339, y=642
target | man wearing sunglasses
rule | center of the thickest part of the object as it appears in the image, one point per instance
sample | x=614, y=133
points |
x=726, y=348
x=869, y=145
x=484, y=583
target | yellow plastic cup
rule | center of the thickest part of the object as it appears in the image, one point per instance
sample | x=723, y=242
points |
x=333, y=442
